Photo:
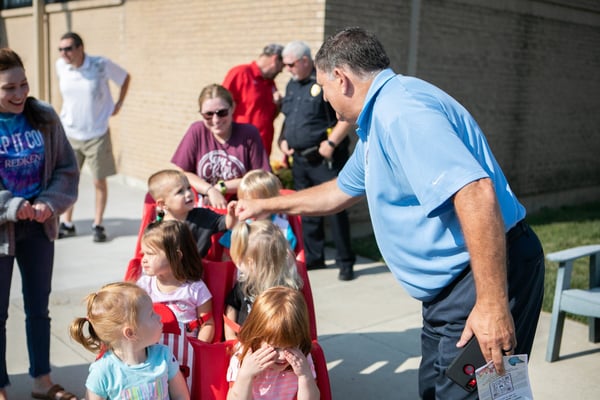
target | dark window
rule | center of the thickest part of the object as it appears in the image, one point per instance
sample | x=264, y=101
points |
x=6, y=4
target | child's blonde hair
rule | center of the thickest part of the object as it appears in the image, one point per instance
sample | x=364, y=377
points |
x=259, y=184
x=111, y=308
x=176, y=240
x=279, y=317
x=159, y=182
x=262, y=247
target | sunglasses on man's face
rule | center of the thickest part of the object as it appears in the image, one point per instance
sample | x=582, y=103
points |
x=65, y=49
x=291, y=65
x=219, y=113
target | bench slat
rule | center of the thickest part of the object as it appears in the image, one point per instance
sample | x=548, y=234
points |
x=574, y=253
x=582, y=302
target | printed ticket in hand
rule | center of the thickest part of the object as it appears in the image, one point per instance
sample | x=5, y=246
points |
x=513, y=385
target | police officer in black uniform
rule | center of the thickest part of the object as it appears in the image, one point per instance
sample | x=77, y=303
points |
x=318, y=143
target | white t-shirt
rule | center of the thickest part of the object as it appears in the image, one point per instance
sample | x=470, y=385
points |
x=87, y=101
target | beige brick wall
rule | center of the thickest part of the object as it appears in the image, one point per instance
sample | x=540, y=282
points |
x=174, y=48
x=528, y=74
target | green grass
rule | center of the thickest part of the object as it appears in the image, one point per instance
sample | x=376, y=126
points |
x=557, y=229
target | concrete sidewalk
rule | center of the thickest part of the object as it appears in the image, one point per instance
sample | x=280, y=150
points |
x=369, y=328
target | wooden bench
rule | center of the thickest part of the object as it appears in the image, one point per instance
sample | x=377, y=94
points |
x=576, y=301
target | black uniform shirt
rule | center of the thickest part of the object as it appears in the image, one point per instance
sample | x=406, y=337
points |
x=307, y=115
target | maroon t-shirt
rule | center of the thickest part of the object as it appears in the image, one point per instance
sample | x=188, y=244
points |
x=199, y=152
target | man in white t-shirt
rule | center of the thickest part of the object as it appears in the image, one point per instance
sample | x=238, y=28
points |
x=87, y=106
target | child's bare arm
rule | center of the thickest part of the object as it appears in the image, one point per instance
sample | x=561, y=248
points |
x=241, y=389
x=232, y=314
x=206, y=332
x=307, y=386
x=178, y=389
x=230, y=218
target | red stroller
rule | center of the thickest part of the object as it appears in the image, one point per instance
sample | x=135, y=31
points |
x=205, y=364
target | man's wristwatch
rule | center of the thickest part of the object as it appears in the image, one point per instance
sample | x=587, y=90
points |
x=222, y=187
x=331, y=143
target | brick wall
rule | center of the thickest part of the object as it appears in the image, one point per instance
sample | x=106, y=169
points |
x=174, y=48
x=527, y=70
x=531, y=79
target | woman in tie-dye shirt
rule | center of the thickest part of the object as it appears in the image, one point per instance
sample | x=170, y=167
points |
x=38, y=182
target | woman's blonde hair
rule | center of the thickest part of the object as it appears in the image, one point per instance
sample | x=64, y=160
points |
x=215, y=91
x=261, y=247
x=108, y=310
x=279, y=317
x=259, y=184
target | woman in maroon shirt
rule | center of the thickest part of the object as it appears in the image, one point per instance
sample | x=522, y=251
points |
x=216, y=152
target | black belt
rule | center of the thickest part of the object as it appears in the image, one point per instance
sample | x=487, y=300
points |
x=516, y=231
x=298, y=150
x=310, y=154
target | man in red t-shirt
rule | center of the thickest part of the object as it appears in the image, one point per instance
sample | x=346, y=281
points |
x=255, y=94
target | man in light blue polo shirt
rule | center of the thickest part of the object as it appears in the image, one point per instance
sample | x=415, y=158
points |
x=446, y=221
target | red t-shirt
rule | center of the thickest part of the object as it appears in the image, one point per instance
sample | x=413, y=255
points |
x=253, y=96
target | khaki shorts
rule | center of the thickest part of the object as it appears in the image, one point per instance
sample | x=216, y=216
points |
x=97, y=153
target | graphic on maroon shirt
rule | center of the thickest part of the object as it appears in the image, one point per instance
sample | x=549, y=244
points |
x=219, y=165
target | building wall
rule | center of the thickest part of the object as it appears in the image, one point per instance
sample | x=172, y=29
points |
x=527, y=70
x=389, y=20
x=173, y=49
x=529, y=73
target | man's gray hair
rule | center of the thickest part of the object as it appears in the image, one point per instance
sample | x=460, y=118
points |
x=354, y=48
x=298, y=49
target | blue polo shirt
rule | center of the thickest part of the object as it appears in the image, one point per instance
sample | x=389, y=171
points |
x=417, y=147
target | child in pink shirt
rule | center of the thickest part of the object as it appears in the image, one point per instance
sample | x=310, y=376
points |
x=273, y=359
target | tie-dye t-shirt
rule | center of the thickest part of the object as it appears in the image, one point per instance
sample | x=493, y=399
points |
x=21, y=156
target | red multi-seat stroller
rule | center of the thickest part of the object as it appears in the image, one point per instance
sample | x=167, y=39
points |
x=205, y=364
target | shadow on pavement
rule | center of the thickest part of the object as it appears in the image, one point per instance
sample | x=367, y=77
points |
x=361, y=364
x=377, y=269
x=578, y=354
x=71, y=377
x=115, y=227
